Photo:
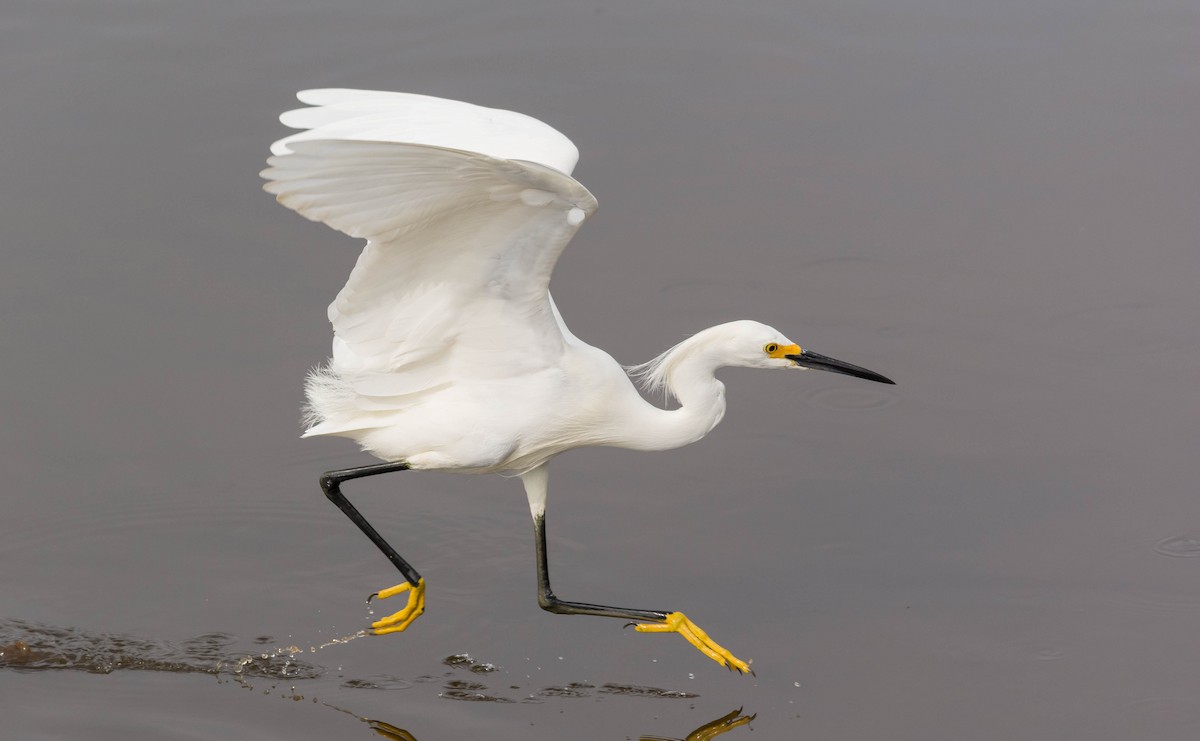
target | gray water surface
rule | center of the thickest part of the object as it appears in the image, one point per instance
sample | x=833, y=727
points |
x=993, y=204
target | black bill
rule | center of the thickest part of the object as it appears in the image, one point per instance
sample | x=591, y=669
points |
x=817, y=361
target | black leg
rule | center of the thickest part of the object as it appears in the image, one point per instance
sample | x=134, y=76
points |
x=331, y=485
x=548, y=601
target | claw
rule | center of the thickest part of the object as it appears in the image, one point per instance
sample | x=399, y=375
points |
x=677, y=622
x=399, y=621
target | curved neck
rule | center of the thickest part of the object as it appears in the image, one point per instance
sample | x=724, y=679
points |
x=689, y=378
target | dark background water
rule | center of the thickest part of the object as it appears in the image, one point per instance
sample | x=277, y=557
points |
x=994, y=204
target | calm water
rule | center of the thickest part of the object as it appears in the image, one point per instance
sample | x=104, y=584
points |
x=993, y=204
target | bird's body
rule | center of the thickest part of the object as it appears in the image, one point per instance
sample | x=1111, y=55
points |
x=514, y=422
x=449, y=353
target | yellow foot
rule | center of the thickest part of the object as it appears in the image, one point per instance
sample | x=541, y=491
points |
x=677, y=622
x=400, y=620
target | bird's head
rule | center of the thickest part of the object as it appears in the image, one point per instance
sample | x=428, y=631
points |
x=743, y=344
x=755, y=345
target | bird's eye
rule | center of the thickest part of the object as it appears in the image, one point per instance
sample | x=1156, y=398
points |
x=771, y=348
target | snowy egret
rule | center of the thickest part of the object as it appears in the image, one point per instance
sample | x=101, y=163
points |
x=449, y=353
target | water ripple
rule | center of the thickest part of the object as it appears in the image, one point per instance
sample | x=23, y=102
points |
x=380, y=682
x=633, y=690
x=852, y=398
x=1181, y=546
x=462, y=689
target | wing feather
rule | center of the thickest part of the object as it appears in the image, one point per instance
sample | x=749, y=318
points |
x=462, y=239
x=374, y=115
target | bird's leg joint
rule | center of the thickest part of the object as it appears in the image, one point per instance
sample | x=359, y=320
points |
x=548, y=602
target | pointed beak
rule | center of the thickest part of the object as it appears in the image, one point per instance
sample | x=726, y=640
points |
x=817, y=361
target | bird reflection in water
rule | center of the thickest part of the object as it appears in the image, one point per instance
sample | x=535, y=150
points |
x=389, y=731
x=705, y=732
x=712, y=729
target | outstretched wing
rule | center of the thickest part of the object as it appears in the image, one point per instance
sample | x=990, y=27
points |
x=465, y=211
x=374, y=115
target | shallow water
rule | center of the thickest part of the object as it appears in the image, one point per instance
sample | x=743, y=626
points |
x=992, y=204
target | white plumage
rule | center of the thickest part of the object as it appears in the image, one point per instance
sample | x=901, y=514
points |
x=447, y=314
x=448, y=351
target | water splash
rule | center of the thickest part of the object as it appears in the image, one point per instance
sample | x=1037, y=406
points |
x=464, y=661
x=29, y=646
x=288, y=653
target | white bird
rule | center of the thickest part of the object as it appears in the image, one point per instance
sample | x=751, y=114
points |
x=448, y=351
